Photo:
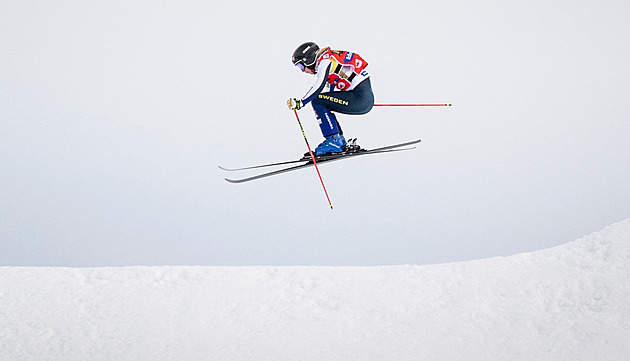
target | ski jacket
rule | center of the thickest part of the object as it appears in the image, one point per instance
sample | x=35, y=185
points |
x=338, y=70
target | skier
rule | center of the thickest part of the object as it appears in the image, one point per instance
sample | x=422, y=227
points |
x=348, y=85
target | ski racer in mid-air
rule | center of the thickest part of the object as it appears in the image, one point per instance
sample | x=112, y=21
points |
x=348, y=86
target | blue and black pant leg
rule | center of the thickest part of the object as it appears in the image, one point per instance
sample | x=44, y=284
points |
x=357, y=101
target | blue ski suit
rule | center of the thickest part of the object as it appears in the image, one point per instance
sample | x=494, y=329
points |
x=349, y=90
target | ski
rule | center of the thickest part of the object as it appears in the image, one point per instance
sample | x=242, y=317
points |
x=318, y=159
x=305, y=163
x=263, y=165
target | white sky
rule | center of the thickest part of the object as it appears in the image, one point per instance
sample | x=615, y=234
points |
x=114, y=116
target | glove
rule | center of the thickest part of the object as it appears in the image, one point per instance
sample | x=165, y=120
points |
x=294, y=104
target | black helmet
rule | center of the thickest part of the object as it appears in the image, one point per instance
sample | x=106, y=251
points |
x=305, y=55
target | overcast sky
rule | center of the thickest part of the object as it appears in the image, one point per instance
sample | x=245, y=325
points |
x=115, y=115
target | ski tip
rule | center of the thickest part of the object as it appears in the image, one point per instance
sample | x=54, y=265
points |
x=227, y=169
x=448, y=105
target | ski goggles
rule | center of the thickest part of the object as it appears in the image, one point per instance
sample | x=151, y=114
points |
x=300, y=66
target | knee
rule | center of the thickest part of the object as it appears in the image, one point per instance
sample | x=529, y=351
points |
x=319, y=106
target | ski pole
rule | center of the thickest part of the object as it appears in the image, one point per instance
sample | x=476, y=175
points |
x=413, y=105
x=313, y=158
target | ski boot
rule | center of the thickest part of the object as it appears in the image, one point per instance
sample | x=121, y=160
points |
x=333, y=144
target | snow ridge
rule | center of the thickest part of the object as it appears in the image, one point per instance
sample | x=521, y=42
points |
x=569, y=302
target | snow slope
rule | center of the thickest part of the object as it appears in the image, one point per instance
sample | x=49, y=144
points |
x=570, y=302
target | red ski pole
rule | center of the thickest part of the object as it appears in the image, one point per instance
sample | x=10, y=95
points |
x=413, y=105
x=313, y=158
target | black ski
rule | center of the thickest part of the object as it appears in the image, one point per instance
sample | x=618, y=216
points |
x=263, y=165
x=320, y=160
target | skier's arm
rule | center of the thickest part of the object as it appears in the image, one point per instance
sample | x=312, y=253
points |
x=322, y=76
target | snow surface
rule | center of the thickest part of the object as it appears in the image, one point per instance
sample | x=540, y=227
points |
x=570, y=302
